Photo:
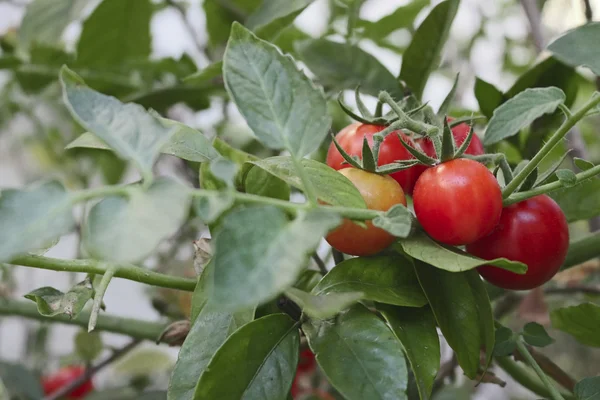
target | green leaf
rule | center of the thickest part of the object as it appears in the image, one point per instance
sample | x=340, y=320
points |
x=574, y=47
x=325, y=305
x=581, y=321
x=209, y=331
x=308, y=280
x=274, y=16
x=262, y=183
x=360, y=355
x=472, y=327
x=416, y=330
x=351, y=67
x=331, y=187
x=402, y=17
x=31, y=218
x=535, y=335
x=210, y=207
x=424, y=53
x=161, y=98
x=520, y=111
x=566, y=177
x=582, y=164
x=279, y=103
x=45, y=21
x=259, y=253
x=246, y=365
x=21, y=383
x=588, y=389
x=445, y=107
x=506, y=342
x=220, y=16
x=579, y=202
x=51, y=302
x=88, y=345
x=208, y=75
x=204, y=287
x=422, y=247
x=128, y=129
x=397, y=221
x=388, y=279
x=127, y=229
x=224, y=170
x=117, y=31
x=488, y=96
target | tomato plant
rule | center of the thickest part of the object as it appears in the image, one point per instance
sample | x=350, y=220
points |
x=457, y=202
x=64, y=376
x=351, y=140
x=534, y=232
x=379, y=193
x=460, y=133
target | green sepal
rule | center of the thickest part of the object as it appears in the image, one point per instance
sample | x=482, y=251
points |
x=368, y=160
x=349, y=159
x=463, y=147
x=422, y=157
x=448, y=145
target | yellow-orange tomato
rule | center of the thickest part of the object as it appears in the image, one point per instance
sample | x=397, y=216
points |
x=380, y=193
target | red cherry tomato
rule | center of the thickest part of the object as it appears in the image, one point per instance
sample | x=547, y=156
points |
x=380, y=193
x=534, y=232
x=457, y=202
x=307, y=362
x=351, y=139
x=64, y=376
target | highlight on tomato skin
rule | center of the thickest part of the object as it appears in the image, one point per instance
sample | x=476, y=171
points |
x=457, y=202
x=380, y=193
x=351, y=140
x=534, y=232
x=64, y=376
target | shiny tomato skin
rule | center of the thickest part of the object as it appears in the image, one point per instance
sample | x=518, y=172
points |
x=391, y=150
x=457, y=202
x=534, y=232
x=53, y=382
x=380, y=193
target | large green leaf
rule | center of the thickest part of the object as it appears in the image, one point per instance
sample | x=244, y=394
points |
x=51, y=302
x=424, y=53
x=579, y=202
x=127, y=229
x=259, y=253
x=117, y=31
x=45, y=21
x=128, y=129
x=581, y=321
x=279, y=103
x=520, y=111
x=574, y=47
x=331, y=187
x=360, y=355
x=488, y=96
x=209, y=331
x=20, y=383
x=416, y=330
x=402, y=17
x=463, y=312
x=275, y=15
x=422, y=247
x=220, y=16
x=350, y=67
x=257, y=362
x=388, y=279
x=588, y=389
x=325, y=305
x=33, y=217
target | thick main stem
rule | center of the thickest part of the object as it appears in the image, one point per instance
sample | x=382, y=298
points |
x=126, y=326
x=550, y=144
x=552, y=391
x=126, y=271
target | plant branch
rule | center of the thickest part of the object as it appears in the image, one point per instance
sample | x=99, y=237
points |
x=589, y=13
x=320, y=264
x=143, y=330
x=582, y=250
x=534, y=17
x=549, y=145
x=106, y=278
x=89, y=372
x=552, y=391
x=188, y=26
x=125, y=271
x=551, y=369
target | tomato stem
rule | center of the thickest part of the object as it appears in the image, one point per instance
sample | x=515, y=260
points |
x=100, y=290
x=550, y=144
x=552, y=391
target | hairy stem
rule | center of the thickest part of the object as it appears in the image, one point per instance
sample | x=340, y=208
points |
x=134, y=328
x=125, y=271
x=552, y=391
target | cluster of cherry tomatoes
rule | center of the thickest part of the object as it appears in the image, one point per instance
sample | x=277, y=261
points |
x=458, y=203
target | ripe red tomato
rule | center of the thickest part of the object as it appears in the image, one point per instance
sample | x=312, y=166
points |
x=351, y=139
x=380, y=193
x=307, y=362
x=457, y=202
x=534, y=232
x=64, y=376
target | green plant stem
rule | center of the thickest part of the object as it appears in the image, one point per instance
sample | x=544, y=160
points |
x=309, y=189
x=104, y=191
x=125, y=271
x=100, y=290
x=552, y=391
x=549, y=187
x=126, y=326
x=582, y=250
x=549, y=145
x=525, y=379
